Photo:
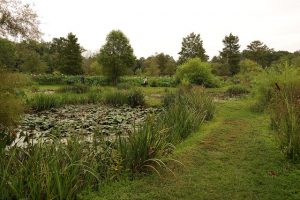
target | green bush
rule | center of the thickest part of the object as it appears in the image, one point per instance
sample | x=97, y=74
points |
x=197, y=72
x=236, y=90
x=136, y=98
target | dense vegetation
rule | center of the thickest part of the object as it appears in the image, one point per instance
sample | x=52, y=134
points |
x=255, y=94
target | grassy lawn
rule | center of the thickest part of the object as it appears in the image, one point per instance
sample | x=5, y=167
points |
x=235, y=156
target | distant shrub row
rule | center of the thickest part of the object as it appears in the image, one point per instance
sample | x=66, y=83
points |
x=102, y=80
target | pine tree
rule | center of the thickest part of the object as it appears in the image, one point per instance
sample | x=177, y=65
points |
x=71, y=58
x=231, y=53
x=192, y=47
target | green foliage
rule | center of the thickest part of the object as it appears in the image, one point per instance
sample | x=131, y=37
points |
x=77, y=88
x=115, y=98
x=285, y=117
x=132, y=98
x=192, y=47
x=260, y=53
x=197, y=72
x=220, y=69
x=116, y=56
x=136, y=98
x=140, y=152
x=41, y=102
x=237, y=90
x=71, y=57
x=159, y=64
x=185, y=113
x=164, y=81
x=267, y=83
x=11, y=104
x=249, y=66
x=55, y=170
x=7, y=53
x=231, y=54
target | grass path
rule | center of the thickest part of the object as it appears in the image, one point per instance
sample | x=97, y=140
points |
x=233, y=157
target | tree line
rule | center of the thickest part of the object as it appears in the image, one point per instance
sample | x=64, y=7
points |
x=64, y=55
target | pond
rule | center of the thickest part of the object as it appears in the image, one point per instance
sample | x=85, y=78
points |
x=85, y=120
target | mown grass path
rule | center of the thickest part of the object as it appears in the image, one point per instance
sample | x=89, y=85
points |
x=233, y=157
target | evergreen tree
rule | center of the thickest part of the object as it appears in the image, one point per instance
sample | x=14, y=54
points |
x=231, y=53
x=260, y=53
x=116, y=55
x=192, y=47
x=72, y=58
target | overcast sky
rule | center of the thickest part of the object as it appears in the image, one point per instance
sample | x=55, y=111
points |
x=159, y=25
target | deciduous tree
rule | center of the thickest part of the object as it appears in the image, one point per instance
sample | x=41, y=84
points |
x=116, y=55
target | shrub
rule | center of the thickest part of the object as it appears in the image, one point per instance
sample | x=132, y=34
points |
x=77, y=88
x=11, y=104
x=197, y=72
x=236, y=90
x=136, y=98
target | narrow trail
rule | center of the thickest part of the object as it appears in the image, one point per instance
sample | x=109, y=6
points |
x=233, y=157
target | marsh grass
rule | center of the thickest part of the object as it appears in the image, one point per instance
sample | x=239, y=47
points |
x=285, y=118
x=56, y=170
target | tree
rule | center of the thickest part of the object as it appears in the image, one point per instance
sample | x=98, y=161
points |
x=18, y=20
x=166, y=64
x=116, y=55
x=72, y=58
x=192, y=47
x=231, y=54
x=7, y=53
x=259, y=52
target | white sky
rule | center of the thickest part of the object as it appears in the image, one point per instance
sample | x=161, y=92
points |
x=159, y=25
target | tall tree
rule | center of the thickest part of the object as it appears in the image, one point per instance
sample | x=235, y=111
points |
x=231, y=53
x=192, y=47
x=260, y=53
x=116, y=55
x=18, y=20
x=72, y=58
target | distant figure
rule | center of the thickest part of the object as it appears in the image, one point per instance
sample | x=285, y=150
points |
x=145, y=82
x=82, y=80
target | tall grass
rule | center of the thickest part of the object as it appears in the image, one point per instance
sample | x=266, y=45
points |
x=186, y=112
x=279, y=94
x=144, y=150
x=285, y=117
x=141, y=151
x=54, y=170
